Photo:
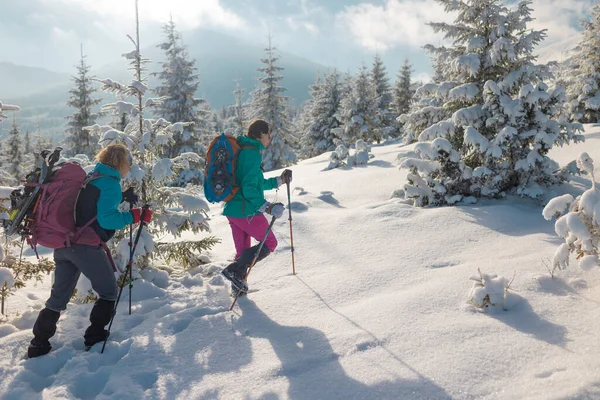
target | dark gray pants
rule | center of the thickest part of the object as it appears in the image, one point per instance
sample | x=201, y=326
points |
x=71, y=262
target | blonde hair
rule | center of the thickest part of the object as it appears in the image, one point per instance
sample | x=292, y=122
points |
x=114, y=155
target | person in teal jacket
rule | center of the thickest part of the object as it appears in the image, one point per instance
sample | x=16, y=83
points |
x=100, y=200
x=245, y=211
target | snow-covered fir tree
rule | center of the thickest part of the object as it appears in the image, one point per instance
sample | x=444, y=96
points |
x=27, y=143
x=268, y=103
x=322, y=115
x=175, y=209
x=237, y=121
x=82, y=100
x=495, y=121
x=357, y=111
x=178, y=85
x=384, y=117
x=583, y=80
x=43, y=142
x=403, y=91
x=302, y=121
x=15, y=152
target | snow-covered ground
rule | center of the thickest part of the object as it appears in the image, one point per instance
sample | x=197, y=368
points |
x=377, y=309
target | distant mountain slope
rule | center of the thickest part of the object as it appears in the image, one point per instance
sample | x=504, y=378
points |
x=220, y=59
x=19, y=81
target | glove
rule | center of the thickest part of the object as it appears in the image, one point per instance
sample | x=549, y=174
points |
x=286, y=176
x=130, y=197
x=137, y=214
x=275, y=210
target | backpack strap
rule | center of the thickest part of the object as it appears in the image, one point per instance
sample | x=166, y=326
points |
x=241, y=192
x=90, y=177
x=107, y=251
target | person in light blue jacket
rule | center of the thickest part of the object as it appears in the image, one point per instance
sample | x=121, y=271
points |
x=98, y=200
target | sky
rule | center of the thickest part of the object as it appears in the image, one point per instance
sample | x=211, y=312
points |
x=336, y=33
x=377, y=309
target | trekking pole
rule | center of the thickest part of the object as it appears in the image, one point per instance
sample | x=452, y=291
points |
x=291, y=233
x=130, y=270
x=127, y=270
x=260, y=246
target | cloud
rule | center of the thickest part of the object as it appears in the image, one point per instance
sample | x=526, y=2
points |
x=560, y=17
x=394, y=23
x=296, y=24
x=189, y=14
x=403, y=22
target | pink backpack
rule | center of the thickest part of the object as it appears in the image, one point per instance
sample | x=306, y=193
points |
x=53, y=221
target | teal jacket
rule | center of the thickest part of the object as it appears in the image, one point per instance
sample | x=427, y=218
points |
x=101, y=199
x=250, y=179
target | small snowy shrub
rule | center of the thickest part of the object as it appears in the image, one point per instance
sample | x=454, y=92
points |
x=15, y=272
x=577, y=222
x=361, y=156
x=341, y=156
x=488, y=290
x=337, y=157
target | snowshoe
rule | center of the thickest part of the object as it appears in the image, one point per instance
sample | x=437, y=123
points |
x=235, y=292
x=236, y=281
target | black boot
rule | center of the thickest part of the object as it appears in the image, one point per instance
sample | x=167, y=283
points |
x=100, y=317
x=43, y=329
x=236, y=271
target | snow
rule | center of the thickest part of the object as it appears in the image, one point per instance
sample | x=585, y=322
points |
x=557, y=205
x=475, y=138
x=377, y=310
x=6, y=277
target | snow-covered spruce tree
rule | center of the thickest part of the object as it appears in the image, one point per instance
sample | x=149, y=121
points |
x=300, y=125
x=43, y=143
x=577, y=222
x=179, y=83
x=81, y=98
x=323, y=116
x=27, y=143
x=357, y=110
x=303, y=119
x=267, y=102
x=583, y=80
x=15, y=152
x=384, y=117
x=237, y=121
x=403, y=92
x=175, y=210
x=497, y=121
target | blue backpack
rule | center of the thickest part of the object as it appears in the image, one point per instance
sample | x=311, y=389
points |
x=219, y=171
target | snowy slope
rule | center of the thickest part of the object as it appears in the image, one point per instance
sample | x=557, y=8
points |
x=376, y=311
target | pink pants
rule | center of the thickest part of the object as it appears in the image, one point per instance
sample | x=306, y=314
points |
x=245, y=228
